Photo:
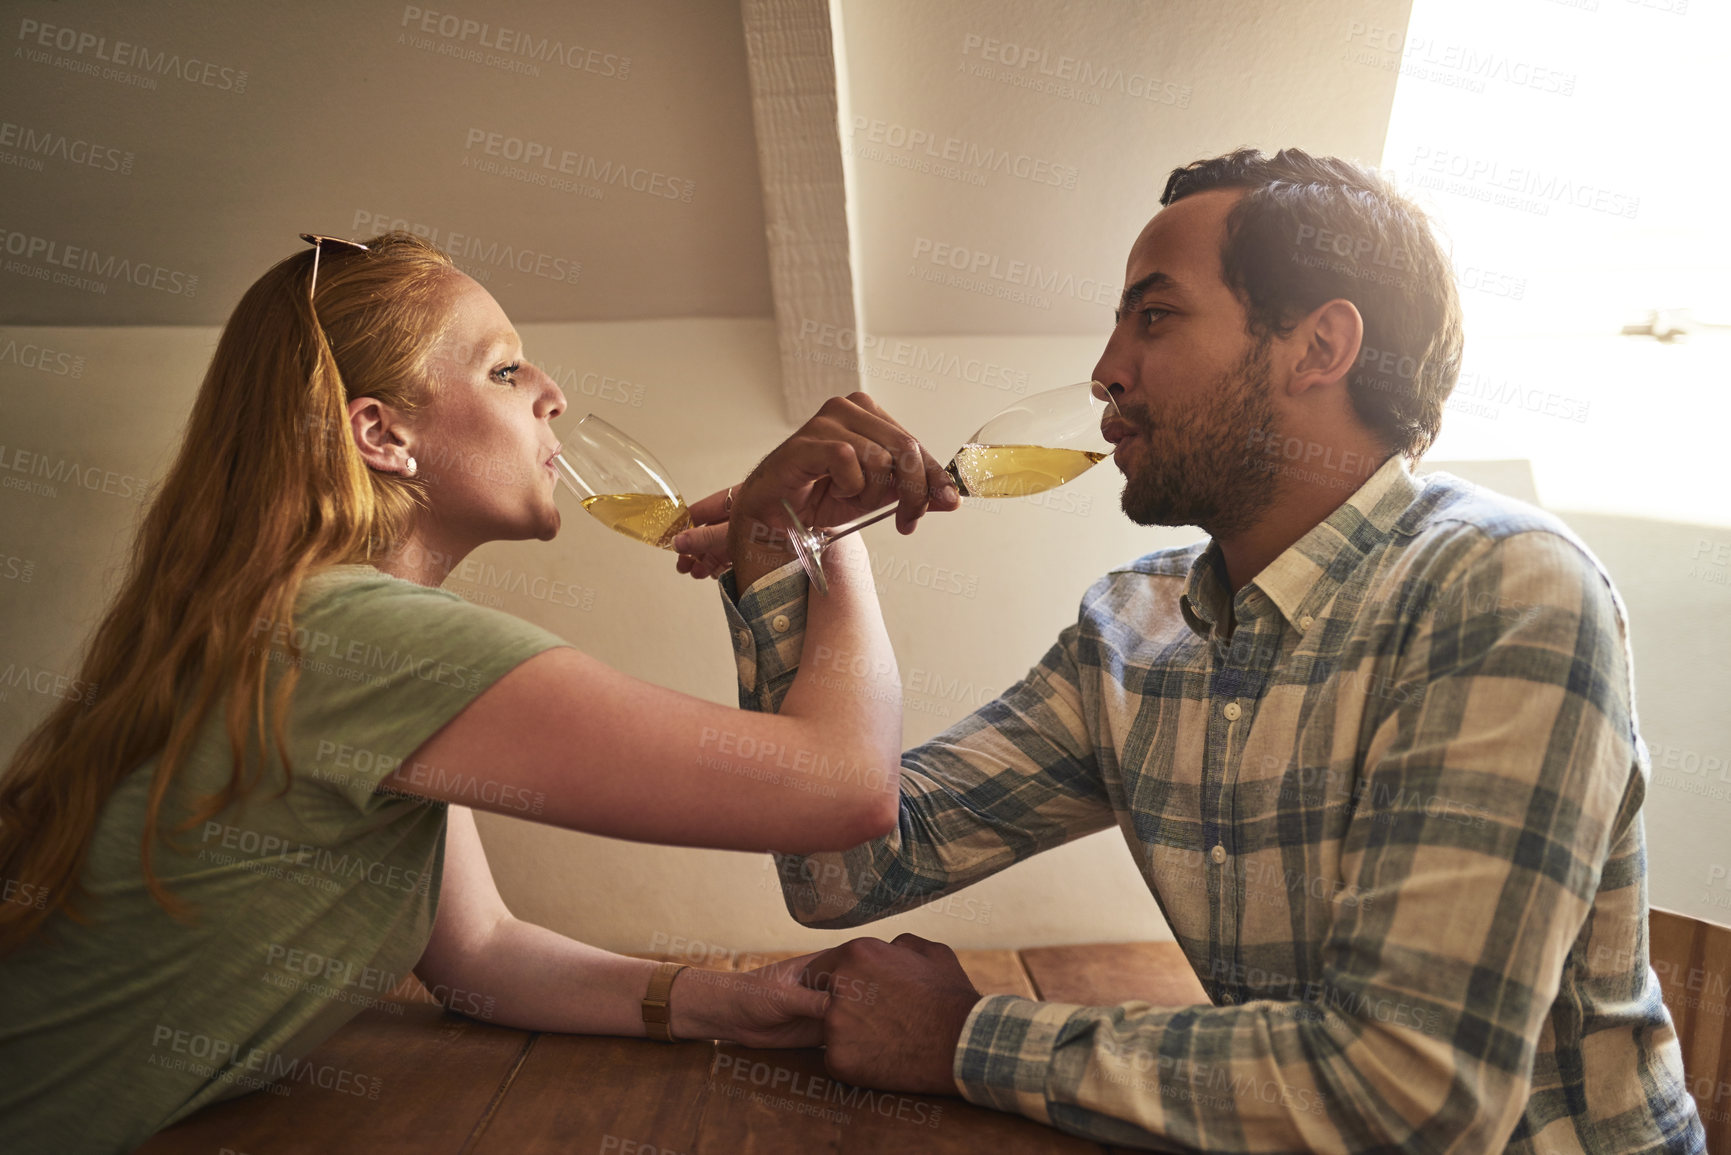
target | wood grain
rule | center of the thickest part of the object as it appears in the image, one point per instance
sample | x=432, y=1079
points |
x=786, y=1103
x=436, y=1075
x=997, y=972
x=1692, y=958
x=577, y=1092
x=1098, y=974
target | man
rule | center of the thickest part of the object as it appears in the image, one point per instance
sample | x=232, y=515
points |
x=1372, y=745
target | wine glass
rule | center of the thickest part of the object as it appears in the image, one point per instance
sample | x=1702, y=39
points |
x=621, y=484
x=1041, y=442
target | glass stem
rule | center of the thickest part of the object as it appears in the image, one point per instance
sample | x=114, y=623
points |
x=859, y=523
x=878, y=515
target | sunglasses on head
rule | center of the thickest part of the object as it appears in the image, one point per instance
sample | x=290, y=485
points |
x=318, y=243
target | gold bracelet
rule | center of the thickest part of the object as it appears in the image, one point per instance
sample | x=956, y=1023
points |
x=657, y=1007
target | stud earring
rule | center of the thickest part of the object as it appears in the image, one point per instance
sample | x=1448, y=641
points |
x=410, y=470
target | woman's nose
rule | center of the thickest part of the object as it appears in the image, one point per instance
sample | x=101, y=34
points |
x=552, y=394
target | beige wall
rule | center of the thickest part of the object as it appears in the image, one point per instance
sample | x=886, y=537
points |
x=1022, y=131
x=972, y=600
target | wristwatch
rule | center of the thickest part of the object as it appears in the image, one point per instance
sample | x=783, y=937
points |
x=657, y=1010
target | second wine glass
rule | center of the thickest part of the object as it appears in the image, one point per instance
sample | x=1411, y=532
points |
x=621, y=484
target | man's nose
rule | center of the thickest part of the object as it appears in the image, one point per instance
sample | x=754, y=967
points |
x=1111, y=371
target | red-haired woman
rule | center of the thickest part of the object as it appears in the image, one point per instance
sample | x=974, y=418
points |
x=288, y=720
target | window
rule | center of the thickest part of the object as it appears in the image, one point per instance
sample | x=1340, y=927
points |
x=1572, y=153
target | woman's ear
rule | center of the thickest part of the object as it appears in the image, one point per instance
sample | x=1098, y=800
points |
x=1328, y=342
x=375, y=428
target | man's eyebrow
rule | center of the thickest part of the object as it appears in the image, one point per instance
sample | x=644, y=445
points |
x=1133, y=294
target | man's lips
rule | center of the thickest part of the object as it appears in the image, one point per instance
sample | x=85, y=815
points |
x=1116, y=431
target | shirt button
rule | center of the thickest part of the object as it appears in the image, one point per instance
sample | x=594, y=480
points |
x=1218, y=854
x=779, y=623
x=1306, y=622
x=743, y=637
x=1232, y=711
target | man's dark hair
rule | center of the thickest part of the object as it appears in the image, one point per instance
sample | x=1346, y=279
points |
x=1313, y=228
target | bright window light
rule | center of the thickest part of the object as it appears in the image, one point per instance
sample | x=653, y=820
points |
x=1572, y=153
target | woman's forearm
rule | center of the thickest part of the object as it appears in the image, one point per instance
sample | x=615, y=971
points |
x=848, y=684
x=535, y=979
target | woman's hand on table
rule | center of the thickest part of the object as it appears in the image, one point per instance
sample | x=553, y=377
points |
x=766, y=1007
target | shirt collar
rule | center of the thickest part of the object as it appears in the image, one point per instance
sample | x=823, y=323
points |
x=1305, y=578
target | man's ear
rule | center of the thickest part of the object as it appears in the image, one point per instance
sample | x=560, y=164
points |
x=374, y=427
x=1326, y=344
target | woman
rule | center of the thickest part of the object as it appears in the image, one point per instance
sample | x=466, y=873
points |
x=291, y=721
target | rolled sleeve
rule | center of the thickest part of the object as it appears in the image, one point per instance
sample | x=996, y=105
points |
x=767, y=627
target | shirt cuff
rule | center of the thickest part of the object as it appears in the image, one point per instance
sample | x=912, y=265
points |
x=1004, y=1057
x=766, y=625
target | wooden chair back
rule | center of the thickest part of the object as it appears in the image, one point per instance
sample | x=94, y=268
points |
x=1692, y=958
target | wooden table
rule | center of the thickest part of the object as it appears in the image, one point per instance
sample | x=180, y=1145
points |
x=422, y=1080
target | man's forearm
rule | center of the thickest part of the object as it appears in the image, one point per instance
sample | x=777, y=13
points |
x=1276, y=1076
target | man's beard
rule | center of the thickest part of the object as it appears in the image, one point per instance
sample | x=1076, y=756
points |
x=1201, y=469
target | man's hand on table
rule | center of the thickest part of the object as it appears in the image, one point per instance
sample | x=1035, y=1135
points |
x=896, y=1011
x=849, y=459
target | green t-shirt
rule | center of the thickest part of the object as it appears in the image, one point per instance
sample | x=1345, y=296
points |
x=311, y=904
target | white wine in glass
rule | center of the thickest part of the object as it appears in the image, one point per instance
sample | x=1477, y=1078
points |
x=648, y=517
x=1041, y=442
x=620, y=484
x=1017, y=470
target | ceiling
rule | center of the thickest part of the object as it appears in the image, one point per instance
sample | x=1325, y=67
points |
x=598, y=161
x=358, y=115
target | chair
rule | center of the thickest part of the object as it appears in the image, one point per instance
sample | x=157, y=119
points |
x=1692, y=958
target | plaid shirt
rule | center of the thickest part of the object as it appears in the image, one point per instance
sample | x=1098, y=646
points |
x=1392, y=816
